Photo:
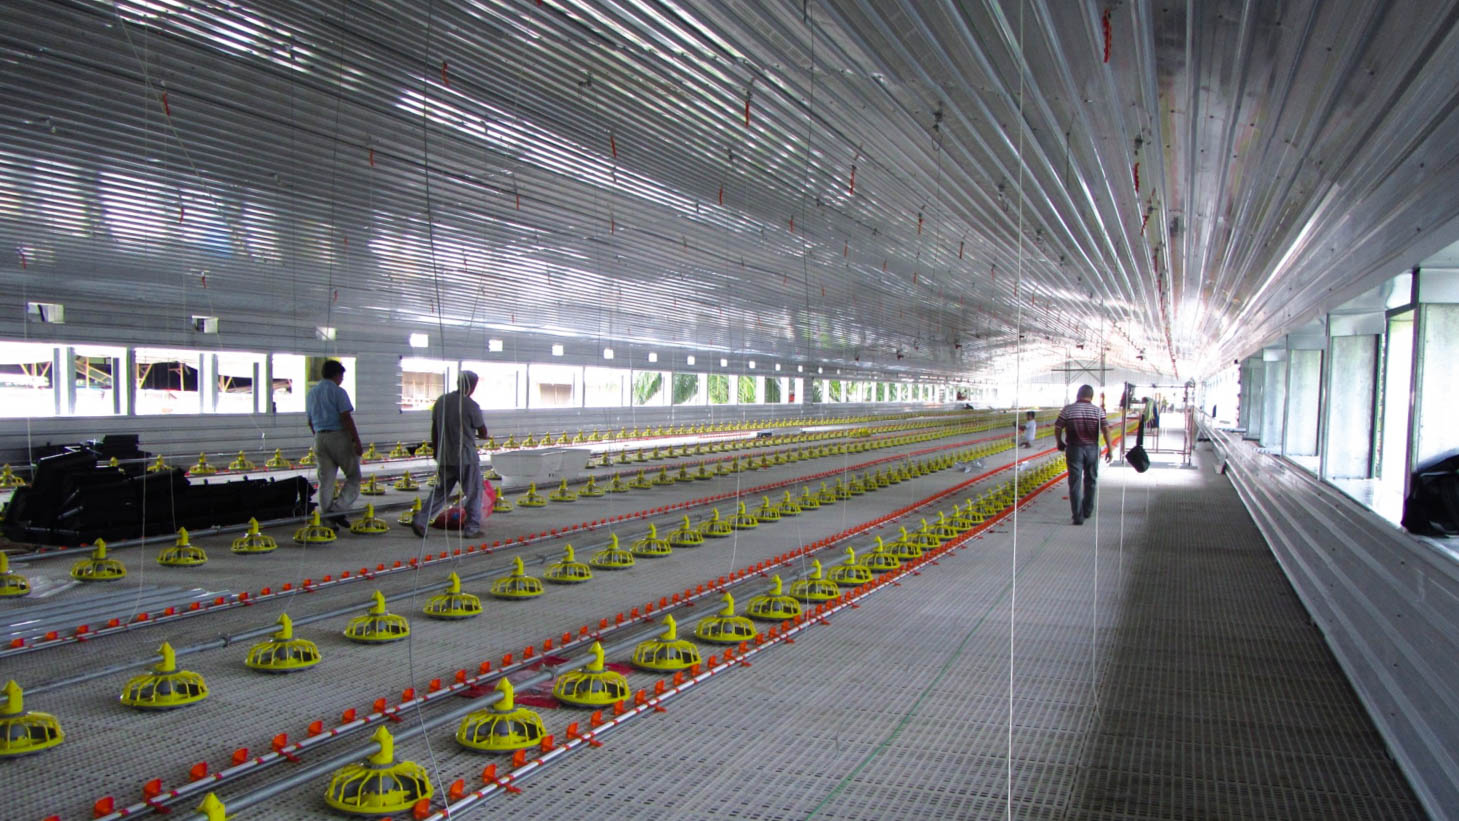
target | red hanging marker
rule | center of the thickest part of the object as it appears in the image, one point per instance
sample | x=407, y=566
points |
x=721, y=193
x=613, y=144
x=612, y=226
x=21, y=253
x=445, y=77
x=181, y=212
x=883, y=266
x=960, y=250
x=792, y=225
x=845, y=248
x=1108, y=35
x=747, y=108
x=518, y=197
x=1137, y=178
x=166, y=109
x=919, y=223
x=853, y=179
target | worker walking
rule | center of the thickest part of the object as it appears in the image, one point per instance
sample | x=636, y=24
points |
x=336, y=443
x=1082, y=421
x=456, y=422
x=1030, y=430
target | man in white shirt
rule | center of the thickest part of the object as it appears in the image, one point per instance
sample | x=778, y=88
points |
x=1030, y=431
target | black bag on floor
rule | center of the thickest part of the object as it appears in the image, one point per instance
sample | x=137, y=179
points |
x=1136, y=456
x=1432, y=506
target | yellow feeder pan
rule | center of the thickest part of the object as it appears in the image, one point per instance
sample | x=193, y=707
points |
x=370, y=524
x=591, y=489
x=511, y=443
x=165, y=687
x=529, y=442
x=562, y=494
x=723, y=469
x=685, y=535
x=501, y=728
x=666, y=652
x=370, y=454
x=158, y=466
x=501, y=505
x=315, y=532
x=827, y=495
x=379, y=786
x=8, y=479
x=808, y=500
x=683, y=475
x=703, y=472
x=425, y=451
x=663, y=479
x=815, y=587
x=254, y=541
x=308, y=459
x=282, y=653
x=568, y=570
x=11, y=583
x=651, y=546
x=618, y=486
x=371, y=487
x=532, y=498
x=591, y=686
x=925, y=538
x=240, y=462
x=22, y=731
x=98, y=567
x=378, y=625
x=640, y=482
x=725, y=627
x=452, y=604
x=408, y=517
x=517, y=585
x=182, y=553
x=742, y=520
x=788, y=506
x=767, y=511
x=851, y=572
x=612, y=557
x=406, y=482
x=490, y=474
x=942, y=528
x=715, y=527
x=277, y=461
x=905, y=547
x=773, y=605
x=880, y=560
x=856, y=487
x=202, y=468
x=400, y=451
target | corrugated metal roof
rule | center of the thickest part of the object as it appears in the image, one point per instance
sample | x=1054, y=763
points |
x=821, y=182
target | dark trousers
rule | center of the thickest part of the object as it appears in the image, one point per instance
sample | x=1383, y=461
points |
x=1083, y=463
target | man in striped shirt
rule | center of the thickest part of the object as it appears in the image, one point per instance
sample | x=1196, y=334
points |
x=1080, y=423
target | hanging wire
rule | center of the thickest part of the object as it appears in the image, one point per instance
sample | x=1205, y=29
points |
x=1017, y=386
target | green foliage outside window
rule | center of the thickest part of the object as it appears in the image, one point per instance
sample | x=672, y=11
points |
x=772, y=391
x=747, y=390
x=718, y=389
x=686, y=385
x=835, y=390
x=646, y=385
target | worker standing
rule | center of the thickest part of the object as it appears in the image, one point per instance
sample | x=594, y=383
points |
x=1030, y=430
x=1082, y=421
x=336, y=443
x=456, y=422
